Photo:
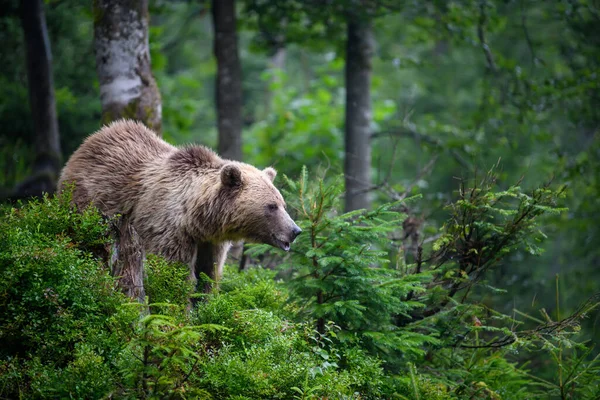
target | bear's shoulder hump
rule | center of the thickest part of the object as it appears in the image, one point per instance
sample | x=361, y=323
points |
x=194, y=158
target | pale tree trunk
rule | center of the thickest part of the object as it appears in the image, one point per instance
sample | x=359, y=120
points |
x=127, y=90
x=275, y=42
x=278, y=58
x=127, y=87
x=46, y=145
x=357, y=167
x=276, y=64
x=228, y=91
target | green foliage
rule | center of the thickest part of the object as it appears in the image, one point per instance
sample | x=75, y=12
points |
x=461, y=83
x=167, y=283
x=485, y=226
x=88, y=376
x=265, y=356
x=422, y=311
x=317, y=112
x=576, y=373
x=341, y=270
x=15, y=162
x=416, y=386
x=60, y=317
x=392, y=332
x=67, y=333
x=159, y=360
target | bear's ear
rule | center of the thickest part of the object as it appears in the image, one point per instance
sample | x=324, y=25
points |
x=231, y=175
x=271, y=173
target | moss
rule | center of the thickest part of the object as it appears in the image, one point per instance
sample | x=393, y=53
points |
x=137, y=110
x=113, y=112
x=151, y=120
x=131, y=110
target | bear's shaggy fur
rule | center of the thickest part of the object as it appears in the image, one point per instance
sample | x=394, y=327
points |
x=186, y=203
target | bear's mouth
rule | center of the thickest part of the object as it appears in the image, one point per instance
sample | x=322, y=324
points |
x=283, y=245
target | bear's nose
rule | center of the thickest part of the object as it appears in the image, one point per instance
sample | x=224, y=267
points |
x=296, y=231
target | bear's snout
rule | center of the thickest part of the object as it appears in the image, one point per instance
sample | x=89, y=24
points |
x=283, y=241
x=295, y=232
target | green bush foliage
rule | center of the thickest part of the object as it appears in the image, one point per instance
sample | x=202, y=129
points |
x=345, y=269
x=342, y=272
x=66, y=332
x=166, y=285
x=381, y=330
x=454, y=85
x=61, y=319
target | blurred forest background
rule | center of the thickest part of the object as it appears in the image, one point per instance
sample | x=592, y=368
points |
x=442, y=92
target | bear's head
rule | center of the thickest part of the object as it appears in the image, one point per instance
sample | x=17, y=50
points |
x=259, y=213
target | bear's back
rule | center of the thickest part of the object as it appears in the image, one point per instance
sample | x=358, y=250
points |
x=106, y=167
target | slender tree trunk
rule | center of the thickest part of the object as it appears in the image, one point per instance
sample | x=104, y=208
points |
x=276, y=64
x=278, y=58
x=357, y=167
x=47, y=161
x=228, y=89
x=229, y=80
x=127, y=87
x=127, y=90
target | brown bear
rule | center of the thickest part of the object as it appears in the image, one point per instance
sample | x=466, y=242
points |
x=186, y=203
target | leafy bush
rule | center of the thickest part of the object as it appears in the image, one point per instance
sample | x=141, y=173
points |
x=341, y=269
x=345, y=269
x=167, y=284
x=88, y=376
x=257, y=353
x=348, y=323
x=159, y=359
x=67, y=332
x=60, y=316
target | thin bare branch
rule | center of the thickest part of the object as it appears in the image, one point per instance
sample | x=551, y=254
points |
x=542, y=330
x=408, y=131
x=527, y=37
x=481, y=35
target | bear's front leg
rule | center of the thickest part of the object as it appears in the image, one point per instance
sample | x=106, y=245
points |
x=127, y=259
x=210, y=258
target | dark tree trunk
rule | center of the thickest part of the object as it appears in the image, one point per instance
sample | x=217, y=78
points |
x=47, y=161
x=228, y=90
x=127, y=90
x=127, y=87
x=357, y=167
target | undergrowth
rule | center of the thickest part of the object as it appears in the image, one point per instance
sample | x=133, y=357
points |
x=340, y=318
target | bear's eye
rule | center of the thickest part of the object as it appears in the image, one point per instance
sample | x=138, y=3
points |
x=272, y=207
